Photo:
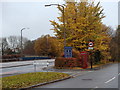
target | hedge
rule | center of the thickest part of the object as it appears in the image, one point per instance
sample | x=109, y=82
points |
x=67, y=62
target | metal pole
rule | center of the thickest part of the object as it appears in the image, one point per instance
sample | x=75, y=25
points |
x=21, y=42
x=47, y=46
x=91, y=63
x=64, y=24
x=63, y=20
x=47, y=70
x=2, y=47
x=35, y=66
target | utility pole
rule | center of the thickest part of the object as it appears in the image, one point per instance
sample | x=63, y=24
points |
x=21, y=41
x=63, y=13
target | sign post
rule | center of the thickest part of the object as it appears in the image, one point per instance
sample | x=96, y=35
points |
x=90, y=47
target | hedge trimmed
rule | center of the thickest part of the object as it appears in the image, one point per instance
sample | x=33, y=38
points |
x=67, y=62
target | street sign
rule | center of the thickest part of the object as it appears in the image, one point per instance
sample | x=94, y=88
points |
x=67, y=52
x=90, y=48
x=90, y=44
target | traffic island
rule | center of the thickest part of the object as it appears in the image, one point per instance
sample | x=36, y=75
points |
x=30, y=80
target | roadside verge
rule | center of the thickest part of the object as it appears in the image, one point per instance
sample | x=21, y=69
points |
x=30, y=80
x=41, y=84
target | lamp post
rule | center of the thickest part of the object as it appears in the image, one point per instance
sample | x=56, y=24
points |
x=21, y=41
x=63, y=19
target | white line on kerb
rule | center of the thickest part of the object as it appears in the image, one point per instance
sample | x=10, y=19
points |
x=110, y=80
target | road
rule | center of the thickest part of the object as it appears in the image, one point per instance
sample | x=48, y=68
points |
x=13, y=68
x=103, y=78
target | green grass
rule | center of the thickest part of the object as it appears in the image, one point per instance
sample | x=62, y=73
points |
x=28, y=79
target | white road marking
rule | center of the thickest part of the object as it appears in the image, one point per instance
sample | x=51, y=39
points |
x=110, y=80
x=90, y=71
x=96, y=87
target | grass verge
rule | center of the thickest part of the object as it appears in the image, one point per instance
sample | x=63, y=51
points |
x=29, y=79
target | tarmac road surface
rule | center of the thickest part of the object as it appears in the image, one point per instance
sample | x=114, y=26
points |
x=18, y=67
x=106, y=77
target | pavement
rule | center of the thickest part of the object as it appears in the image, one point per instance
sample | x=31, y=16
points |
x=75, y=71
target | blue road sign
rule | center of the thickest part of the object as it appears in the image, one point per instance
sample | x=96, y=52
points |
x=67, y=52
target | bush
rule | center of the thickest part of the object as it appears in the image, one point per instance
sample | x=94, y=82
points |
x=75, y=61
x=67, y=62
x=10, y=56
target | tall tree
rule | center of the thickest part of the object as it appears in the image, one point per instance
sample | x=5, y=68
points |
x=14, y=43
x=83, y=22
x=115, y=44
x=29, y=48
x=47, y=46
x=4, y=45
x=118, y=42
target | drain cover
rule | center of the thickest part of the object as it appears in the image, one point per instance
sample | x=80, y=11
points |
x=87, y=79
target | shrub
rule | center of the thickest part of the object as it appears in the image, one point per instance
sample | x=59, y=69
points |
x=67, y=62
x=10, y=56
x=75, y=61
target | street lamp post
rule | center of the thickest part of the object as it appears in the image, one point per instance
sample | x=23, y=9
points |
x=21, y=41
x=63, y=19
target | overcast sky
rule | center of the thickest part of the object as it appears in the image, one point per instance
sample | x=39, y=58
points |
x=34, y=15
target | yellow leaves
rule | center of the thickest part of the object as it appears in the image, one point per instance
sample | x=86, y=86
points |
x=46, y=45
x=79, y=30
x=82, y=23
x=102, y=48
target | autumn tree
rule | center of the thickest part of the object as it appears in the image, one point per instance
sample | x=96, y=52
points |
x=83, y=22
x=47, y=46
x=115, y=44
x=118, y=42
x=29, y=48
